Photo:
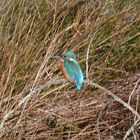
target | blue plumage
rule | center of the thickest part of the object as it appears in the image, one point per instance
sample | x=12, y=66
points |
x=73, y=69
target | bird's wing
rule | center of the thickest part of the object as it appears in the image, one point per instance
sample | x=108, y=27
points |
x=74, y=71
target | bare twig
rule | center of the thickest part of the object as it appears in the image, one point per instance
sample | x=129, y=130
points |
x=55, y=9
x=75, y=138
x=49, y=53
x=115, y=97
x=99, y=117
x=133, y=90
x=38, y=89
x=135, y=122
x=130, y=129
x=87, y=58
x=24, y=101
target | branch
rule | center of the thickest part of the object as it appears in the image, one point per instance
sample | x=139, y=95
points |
x=32, y=92
x=115, y=97
x=39, y=88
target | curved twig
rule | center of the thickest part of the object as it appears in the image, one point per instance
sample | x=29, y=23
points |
x=39, y=88
x=115, y=97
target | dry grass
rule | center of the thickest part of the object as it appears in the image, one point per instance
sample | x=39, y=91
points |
x=36, y=103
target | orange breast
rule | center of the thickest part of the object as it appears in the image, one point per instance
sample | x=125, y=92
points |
x=64, y=71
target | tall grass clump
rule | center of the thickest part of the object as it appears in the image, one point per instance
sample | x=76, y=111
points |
x=36, y=102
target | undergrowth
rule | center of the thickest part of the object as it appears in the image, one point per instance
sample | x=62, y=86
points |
x=104, y=35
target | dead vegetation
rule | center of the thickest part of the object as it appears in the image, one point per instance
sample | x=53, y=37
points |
x=36, y=103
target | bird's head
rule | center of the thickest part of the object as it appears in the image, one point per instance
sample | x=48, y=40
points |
x=69, y=56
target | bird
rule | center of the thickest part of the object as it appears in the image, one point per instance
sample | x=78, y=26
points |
x=71, y=69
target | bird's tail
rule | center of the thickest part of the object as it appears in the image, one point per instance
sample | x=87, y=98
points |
x=78, y=85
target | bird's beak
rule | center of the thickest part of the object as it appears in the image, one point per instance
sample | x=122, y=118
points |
x=57, y=57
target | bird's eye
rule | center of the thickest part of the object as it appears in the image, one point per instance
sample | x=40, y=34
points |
x=68, y=58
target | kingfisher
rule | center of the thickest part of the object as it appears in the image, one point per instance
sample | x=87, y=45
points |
x=71, y=69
